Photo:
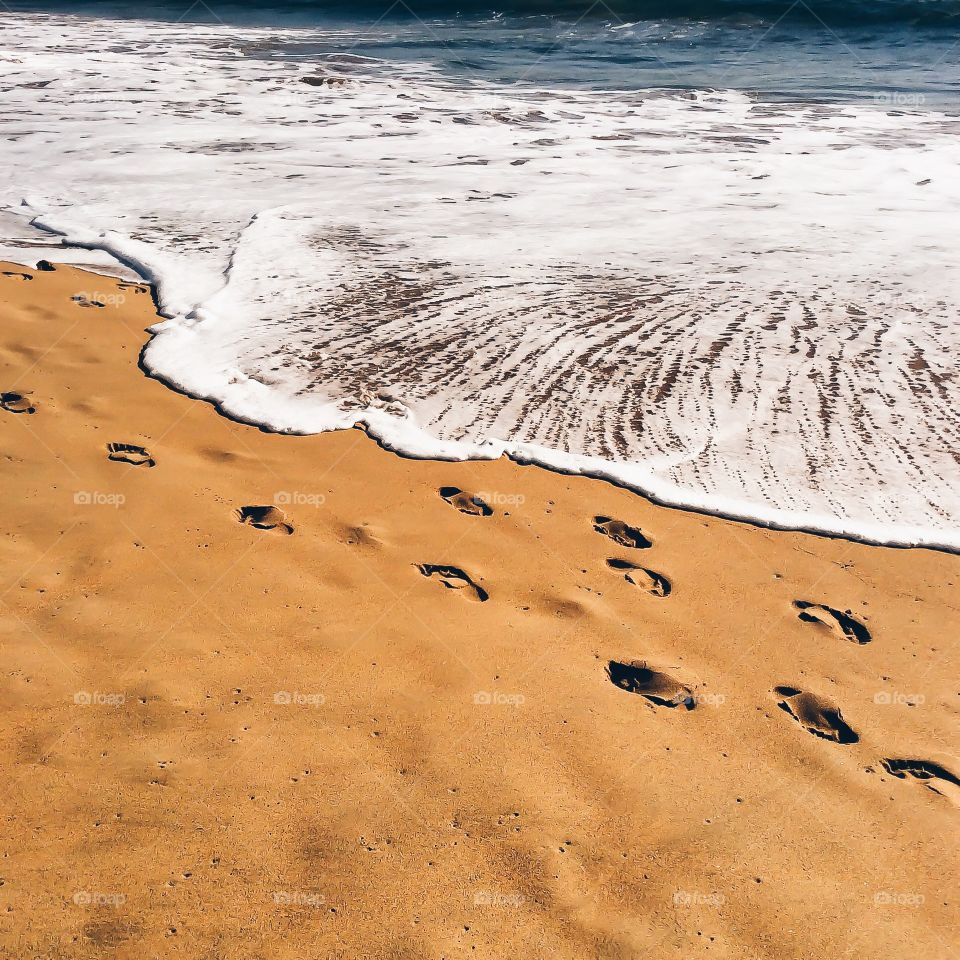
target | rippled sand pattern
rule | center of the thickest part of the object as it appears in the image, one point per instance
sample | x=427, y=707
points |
x=747, y=304
x=797, y=400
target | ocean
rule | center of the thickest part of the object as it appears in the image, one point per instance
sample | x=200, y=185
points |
x=704, y=250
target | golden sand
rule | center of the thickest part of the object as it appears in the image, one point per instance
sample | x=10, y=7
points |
x=279, y=697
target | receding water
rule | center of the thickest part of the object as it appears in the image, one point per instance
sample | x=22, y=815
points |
x=710, y=255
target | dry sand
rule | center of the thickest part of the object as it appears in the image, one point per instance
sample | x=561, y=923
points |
x=220, y=741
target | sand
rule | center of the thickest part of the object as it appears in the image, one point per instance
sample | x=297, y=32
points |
x=389, y=726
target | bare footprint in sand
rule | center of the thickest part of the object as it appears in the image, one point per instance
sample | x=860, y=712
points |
x=647, y=580
x=14, y=402
x=133, y=287
x=621, y=533
x=934, y=777
x=659, y=688
x=130, y=453
x=453, y=578
x=265, y=518
x=465, y=502
x=841, y=624
x=815, y=714
x=14, y=275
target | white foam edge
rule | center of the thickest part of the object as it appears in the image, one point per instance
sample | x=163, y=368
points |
x=249, y=401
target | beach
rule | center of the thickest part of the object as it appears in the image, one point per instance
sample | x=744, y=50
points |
x=284, y=696
x=711, y=261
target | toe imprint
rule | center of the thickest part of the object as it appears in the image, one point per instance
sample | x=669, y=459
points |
x=465, y=502
x=840, y=623
x=265, y=518
x=620, y=532
x=130, y=453
x=17, y=402
x=453, y=578
x=816, y=715
x=659, y=688
x=647, y=580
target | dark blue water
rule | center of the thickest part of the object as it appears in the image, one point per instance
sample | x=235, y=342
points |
x=899, y=55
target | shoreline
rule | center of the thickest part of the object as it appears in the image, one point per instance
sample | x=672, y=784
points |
x=828, y=417
x=516, y=454
x=387, y=723
x=386, y=430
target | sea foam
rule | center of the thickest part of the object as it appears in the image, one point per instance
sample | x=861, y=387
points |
x=733, y=305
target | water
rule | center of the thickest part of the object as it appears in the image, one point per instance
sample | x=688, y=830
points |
x=710, y=256
x=875, y=51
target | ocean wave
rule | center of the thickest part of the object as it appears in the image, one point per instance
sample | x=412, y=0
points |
x=729, y=304
x=835, y=13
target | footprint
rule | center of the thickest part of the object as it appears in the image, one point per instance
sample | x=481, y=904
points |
x=648, y=580
x=815, y=714
x=17, y=402
x=45, y=266
x=659, y=688
x=465, y=502
x=81, y=301
x=453, y=578
x=135, y=287
x=841, y=624
x=946, y=784
x=620, y=532
x=130, y=453
x=13, y=275
x=265, y=518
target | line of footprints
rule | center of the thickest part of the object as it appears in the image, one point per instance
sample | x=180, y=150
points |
x=814, y=713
